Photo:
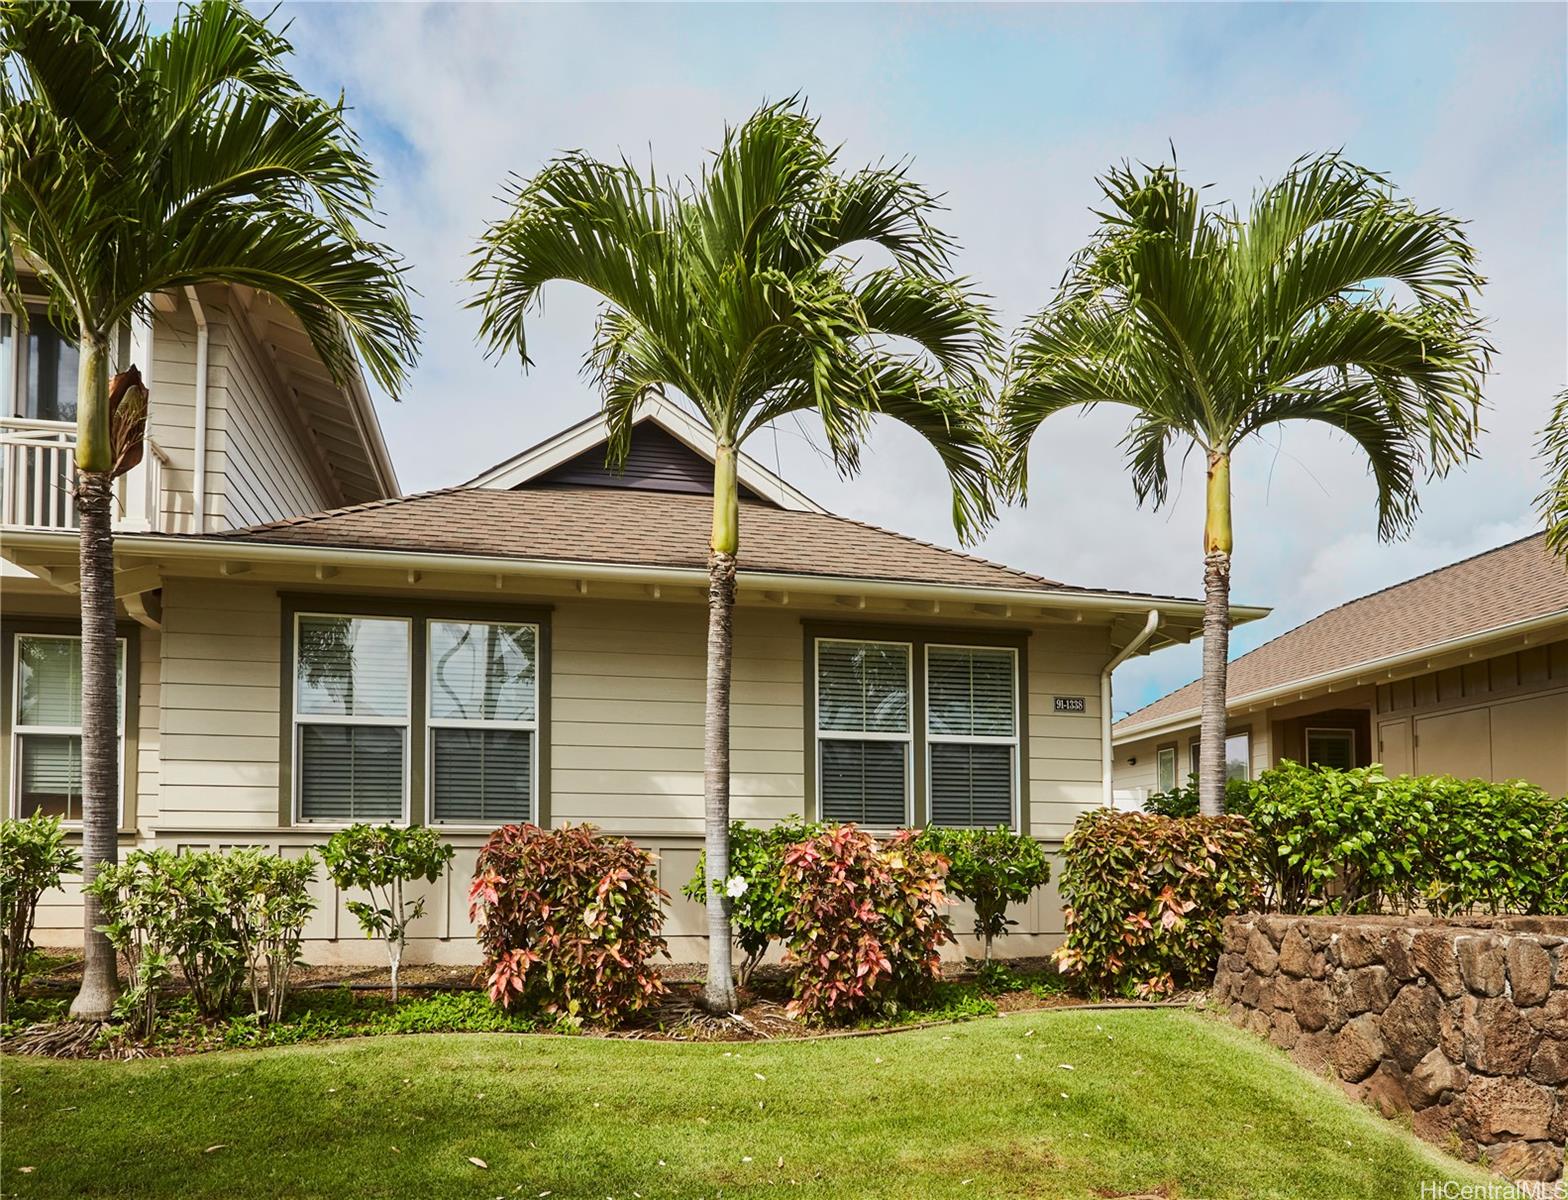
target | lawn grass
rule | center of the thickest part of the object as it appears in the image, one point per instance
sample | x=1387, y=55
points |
x=982, y=1109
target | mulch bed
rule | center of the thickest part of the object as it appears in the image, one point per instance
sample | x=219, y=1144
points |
x=678, y=1017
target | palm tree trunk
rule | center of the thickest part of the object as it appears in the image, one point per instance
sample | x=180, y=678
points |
x=1216, y=637
x=100, y=699
x=719, y=994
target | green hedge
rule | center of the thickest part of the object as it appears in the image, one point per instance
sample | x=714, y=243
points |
x=1359, y=842
x=1146, y=892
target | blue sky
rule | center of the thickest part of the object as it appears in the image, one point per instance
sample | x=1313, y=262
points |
x=1011, y=111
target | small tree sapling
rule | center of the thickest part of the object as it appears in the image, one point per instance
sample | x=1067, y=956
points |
x=381, y=859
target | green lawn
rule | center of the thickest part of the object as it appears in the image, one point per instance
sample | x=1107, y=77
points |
x=984, y=1109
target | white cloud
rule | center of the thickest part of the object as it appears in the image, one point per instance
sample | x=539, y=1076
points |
x=1012, y=112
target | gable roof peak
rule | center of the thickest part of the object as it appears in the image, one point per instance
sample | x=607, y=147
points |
x=577, y=440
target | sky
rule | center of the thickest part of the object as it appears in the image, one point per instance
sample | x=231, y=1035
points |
x=1011, y=112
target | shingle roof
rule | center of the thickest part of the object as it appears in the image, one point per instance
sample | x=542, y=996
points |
x=1501, y=587
x=640, y=528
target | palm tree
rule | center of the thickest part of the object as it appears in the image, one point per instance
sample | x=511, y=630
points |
x=1553, y=502
x=133, y=164
x=1333, y=299
x=740, y=291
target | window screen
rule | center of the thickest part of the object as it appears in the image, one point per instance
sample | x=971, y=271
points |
x=47, y=730
x=351, y=717
x=863, y=731
x=483, y=722
x=971, y=734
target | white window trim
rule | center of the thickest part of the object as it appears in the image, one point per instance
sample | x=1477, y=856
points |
x=19, y=731
x=405, y=723
x=1338, y=732
x=434, y=722
x=1159, y=785
x=907, y=737
x=974, y=739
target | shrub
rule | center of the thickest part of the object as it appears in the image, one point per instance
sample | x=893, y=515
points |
x=1182, y=800
x=275, y=901
x=991, y=868
x=223, y=919
x=34, y=856
x=1145, y=897
x=865, y=924
x=381, y=859
x=1328, y=831
x=568, y=919
x=758, y=903
x=1498, y=847
x=1357, y=841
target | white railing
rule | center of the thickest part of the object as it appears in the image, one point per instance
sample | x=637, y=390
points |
x=38, y=476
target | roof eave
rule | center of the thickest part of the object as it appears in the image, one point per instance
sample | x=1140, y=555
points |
x=1355, y=672
x=176, y=547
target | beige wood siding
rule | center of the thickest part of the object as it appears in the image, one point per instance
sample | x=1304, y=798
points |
x=1064, y=748
x=627, y=713
x=171, y=418
x=221, y=651
x=625, y=733
x=268, y=470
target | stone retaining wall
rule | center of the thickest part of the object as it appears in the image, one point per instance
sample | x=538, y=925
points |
x=1463, y=1025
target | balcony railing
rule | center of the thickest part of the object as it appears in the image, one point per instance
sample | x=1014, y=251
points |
x=38, y=477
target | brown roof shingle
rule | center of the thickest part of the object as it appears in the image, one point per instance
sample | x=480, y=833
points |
x=1500, y=587
x=630, y=527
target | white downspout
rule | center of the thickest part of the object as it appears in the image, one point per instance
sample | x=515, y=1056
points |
x=199, y=479
x=1107, y=754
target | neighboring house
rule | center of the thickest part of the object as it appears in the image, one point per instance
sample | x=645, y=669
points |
x=527, y=647
x=1463, y=671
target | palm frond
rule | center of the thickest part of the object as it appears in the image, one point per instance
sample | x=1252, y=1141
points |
x=1332, y=299
x=1553, y=502
x=1361, y=412
x=189, y=157
x=732, y=288
x=577, y=221
x=348, y=296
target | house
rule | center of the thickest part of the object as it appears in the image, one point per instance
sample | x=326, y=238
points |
x=306, y=648
x=1462, y=671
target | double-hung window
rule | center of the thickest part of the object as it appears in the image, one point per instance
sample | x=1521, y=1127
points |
x=352, y=686
x=918, y=731
x=971, y=734
x=46, y=726
x=864, y=742
x=483, y=718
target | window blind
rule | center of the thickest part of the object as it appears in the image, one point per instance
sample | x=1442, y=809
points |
x=971, y=784
x=351, y=772
x=971, y=693
x=46, y=733
x=865, y=782
x=482, y=776
x=971, y=725
x=1334, y=748
x=863, y=688
x=50, y=775
x=483, y=715
x=351, y=713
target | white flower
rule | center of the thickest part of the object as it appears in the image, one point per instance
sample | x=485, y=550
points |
x=735, y=887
